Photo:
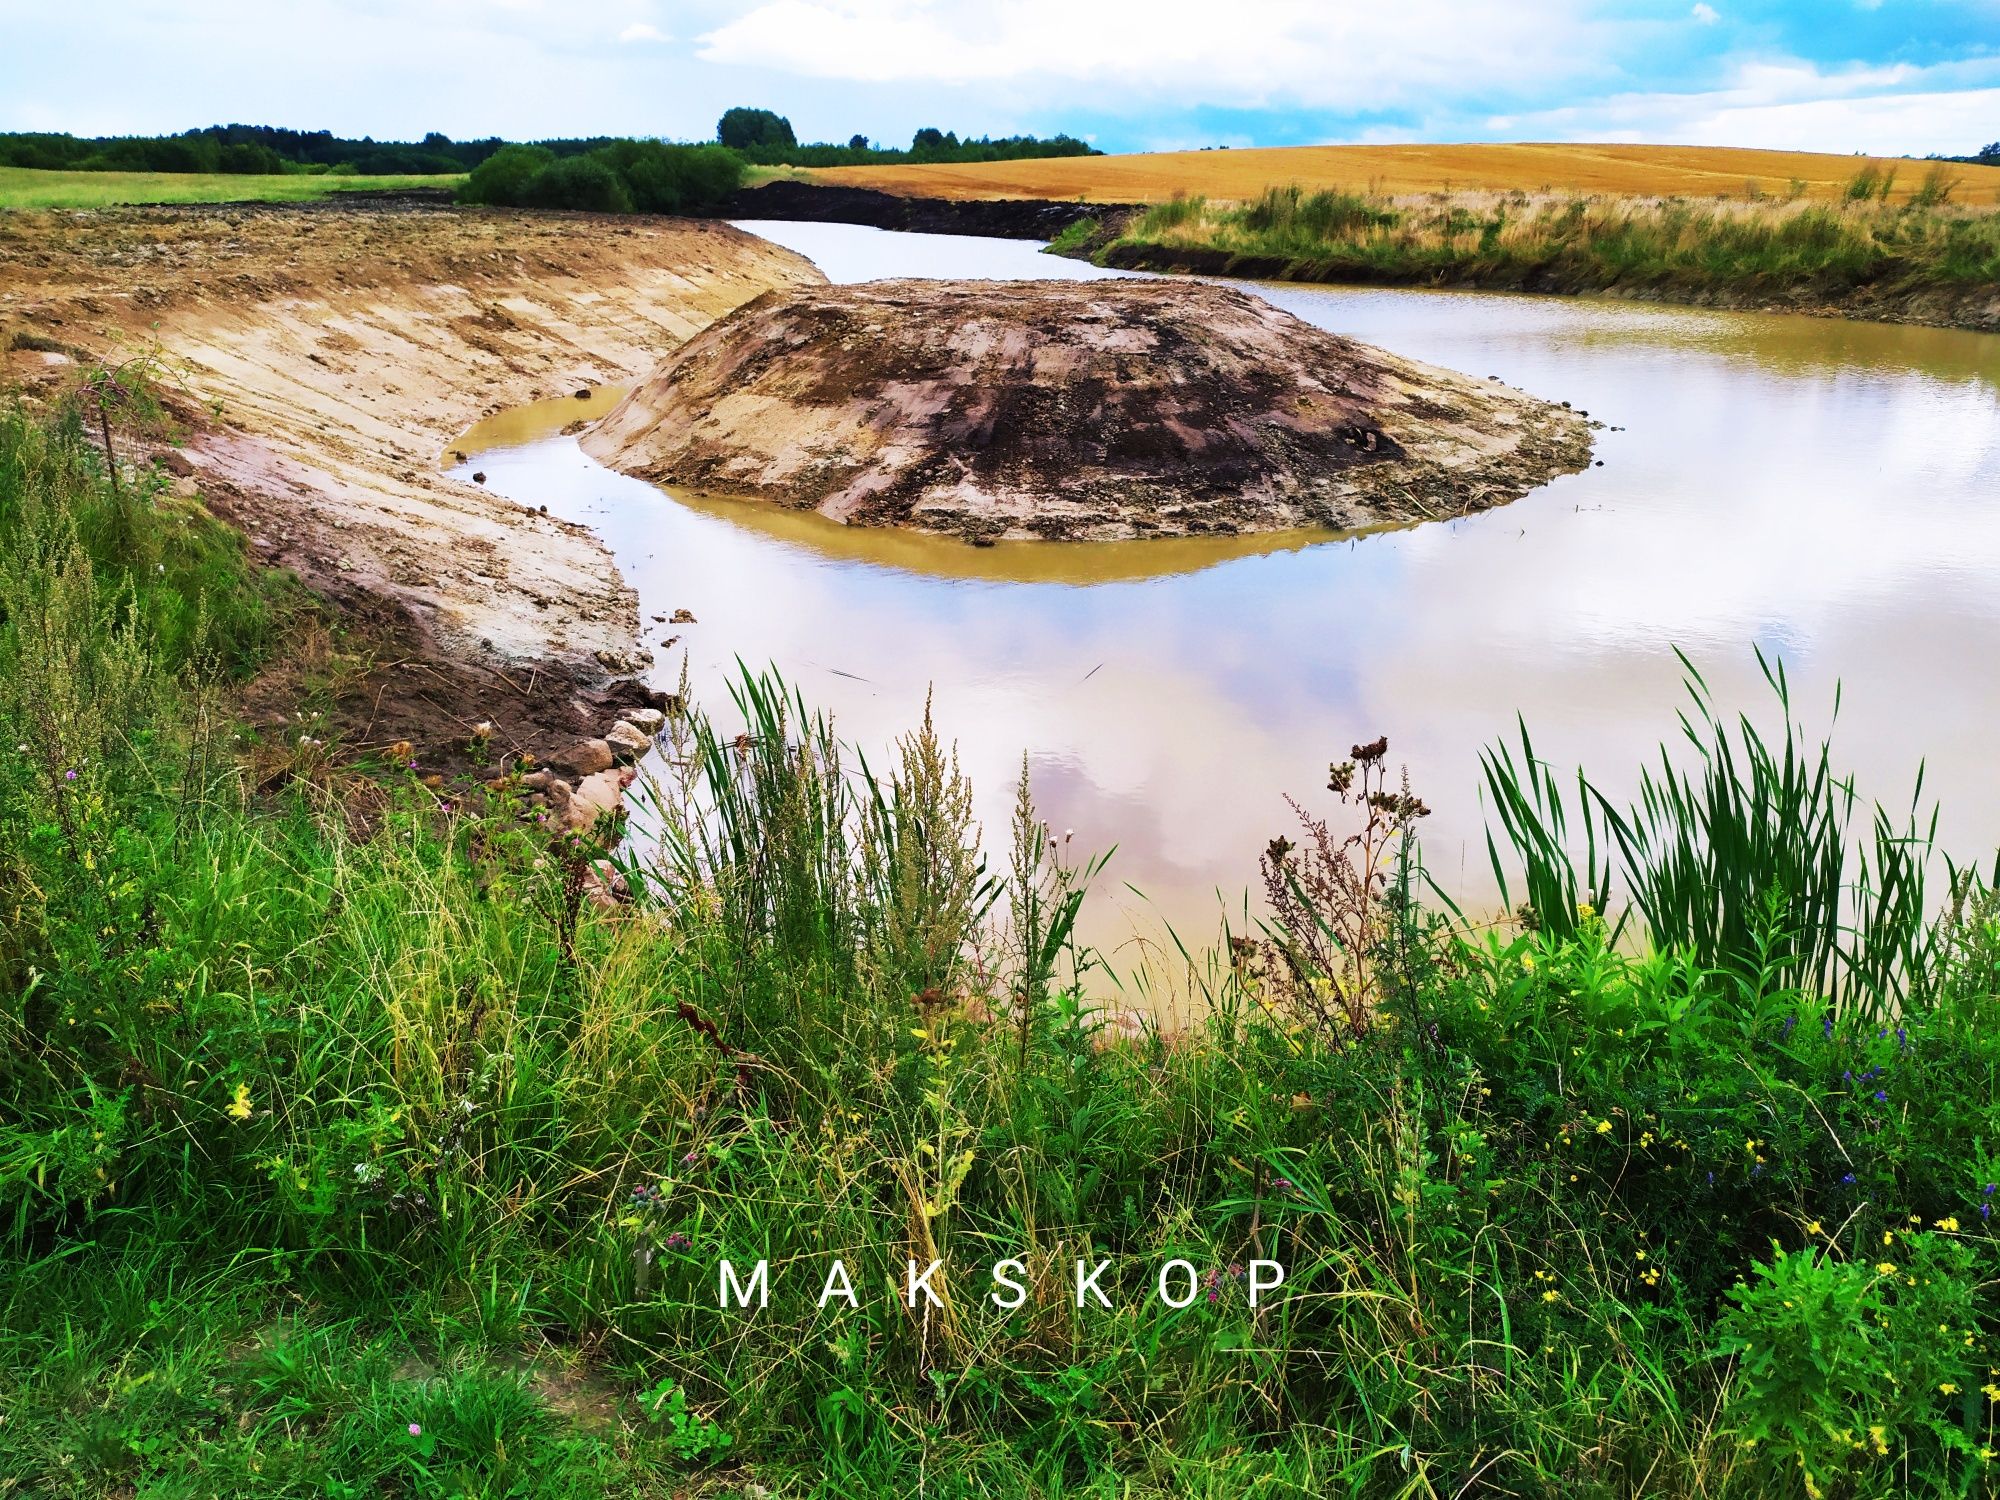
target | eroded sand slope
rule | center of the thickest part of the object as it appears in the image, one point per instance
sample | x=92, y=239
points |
x=339, y=348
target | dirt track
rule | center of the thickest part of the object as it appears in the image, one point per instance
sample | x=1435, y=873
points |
x=341, y=348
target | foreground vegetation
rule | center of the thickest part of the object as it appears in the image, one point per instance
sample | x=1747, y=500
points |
x=354, y=1143
x=1786, y=247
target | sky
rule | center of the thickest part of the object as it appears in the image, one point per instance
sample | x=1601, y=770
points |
x=1883, y=76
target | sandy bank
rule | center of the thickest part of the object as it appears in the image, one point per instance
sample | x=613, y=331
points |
x=334, y=349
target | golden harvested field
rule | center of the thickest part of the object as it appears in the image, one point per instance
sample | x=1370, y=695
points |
x=1638, y=171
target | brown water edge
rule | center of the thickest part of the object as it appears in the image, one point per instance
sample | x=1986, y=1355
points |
x=912, y=551
x=517, y=426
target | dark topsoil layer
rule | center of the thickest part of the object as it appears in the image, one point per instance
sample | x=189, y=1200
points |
x=1000, y=218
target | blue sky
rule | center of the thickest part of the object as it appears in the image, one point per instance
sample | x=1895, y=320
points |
x=1889, y=76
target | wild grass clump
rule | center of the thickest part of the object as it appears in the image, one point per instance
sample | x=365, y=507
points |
x=1579, y=244
x=393, y=1156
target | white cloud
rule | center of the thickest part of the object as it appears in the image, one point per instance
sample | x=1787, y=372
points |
x=639, y=31
x=1705, y=13
x=1897, y=109
x=1250, y=53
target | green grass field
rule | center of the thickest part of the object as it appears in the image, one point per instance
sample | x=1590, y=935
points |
x=21, y=187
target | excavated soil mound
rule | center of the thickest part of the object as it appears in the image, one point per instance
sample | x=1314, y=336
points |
x=1090, y=410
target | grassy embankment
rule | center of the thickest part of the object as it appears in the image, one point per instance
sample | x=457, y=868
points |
x=1863, y=252
x=349, y=1147
x=22, y=187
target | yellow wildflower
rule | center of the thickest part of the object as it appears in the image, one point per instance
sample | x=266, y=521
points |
x=1884, y=1268
x=1815, y=1227
x=1948, y=1388
x=1949, y=1225
x=240, y=1107
x=1604, y=1127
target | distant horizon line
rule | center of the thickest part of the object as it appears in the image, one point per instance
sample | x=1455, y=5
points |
x=1348, y=145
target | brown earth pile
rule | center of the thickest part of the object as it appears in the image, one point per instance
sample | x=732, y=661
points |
x=1091, y=410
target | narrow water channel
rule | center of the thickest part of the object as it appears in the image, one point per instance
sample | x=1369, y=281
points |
x=1826, y=491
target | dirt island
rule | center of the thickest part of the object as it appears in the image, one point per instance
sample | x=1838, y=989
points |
x=1086, y=410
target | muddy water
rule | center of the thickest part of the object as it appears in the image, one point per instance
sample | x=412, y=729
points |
x=1829, y=492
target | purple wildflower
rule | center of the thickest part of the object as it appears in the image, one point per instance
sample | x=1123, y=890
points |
x=416, y=1430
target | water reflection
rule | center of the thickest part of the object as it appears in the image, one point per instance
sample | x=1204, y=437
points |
x=1824, y=490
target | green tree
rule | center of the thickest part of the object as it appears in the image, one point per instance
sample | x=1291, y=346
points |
x=746, y=129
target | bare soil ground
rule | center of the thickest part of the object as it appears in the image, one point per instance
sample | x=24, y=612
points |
x=323, y=357
x=1635, y=171
x=1092, y=410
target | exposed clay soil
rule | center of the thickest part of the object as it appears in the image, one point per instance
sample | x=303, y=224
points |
x=322, y=356
x=1092, y=410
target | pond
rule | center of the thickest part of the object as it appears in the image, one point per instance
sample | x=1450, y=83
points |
x=1826, y=491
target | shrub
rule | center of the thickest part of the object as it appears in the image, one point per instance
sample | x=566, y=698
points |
x=619, y=177
x=1849, y=1365
x=579, y=182
x=503, y=178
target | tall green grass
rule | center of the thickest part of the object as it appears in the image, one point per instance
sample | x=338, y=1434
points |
x=1747, y=860
x=1574, y=244
x=381, y=1155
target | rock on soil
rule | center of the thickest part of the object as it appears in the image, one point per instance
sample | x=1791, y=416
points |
x=1093, y=410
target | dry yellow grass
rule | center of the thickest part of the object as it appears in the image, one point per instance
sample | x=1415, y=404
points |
x=1638, y=171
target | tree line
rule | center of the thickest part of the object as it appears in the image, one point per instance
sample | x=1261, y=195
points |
x=759, y=137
